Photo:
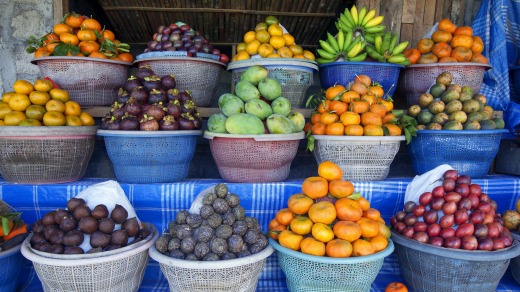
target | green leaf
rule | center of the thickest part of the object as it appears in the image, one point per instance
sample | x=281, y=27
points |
x=61, y=50
x=385, y=131
x=98, y=35
x=5, y=225
x=355, y=196
x=310, y=143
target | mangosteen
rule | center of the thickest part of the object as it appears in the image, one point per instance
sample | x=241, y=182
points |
x=59, y=215
x=132, y=107
x=113, y=124
x=49, y=230
x=145, y=107
x=48, y=219
x=122, y=96
x=106, y=225
x=119, y=237
x=186, y=122
x=174, y=108
x=81, y=211
x=73, y=238
x=73, y=250
x=148, y=123
x=188, y=107
x=155, y=96
x=172, y=94
x=119, y=214
x=168, y=82
x=197, y=122
x=68, y=223
x=184, y=96
x=88, y=224
x=99, y=239
x=168, y=123
x=37, y=226
x=129, y=123
x=131, y=226
x=57, y=237
x=104, y=123
x=118, y=112
x=151, y=82
x=131, y=83
x=144, y=71
x=181, y=216
x=156, y=111
x=140, y=94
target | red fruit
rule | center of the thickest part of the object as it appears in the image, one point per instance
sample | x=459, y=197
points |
x=420, y=227
x=430, y=217
x=462, y=189
x=488, y=218
x=410, y=220
x=469, y=242
x=408, y=232
x=438, y=192
x=452, y=197
x=436, y=241
x=476, y=217
x=433, y=230
x=436, y=204
x=452, y=242
x=484, y=198
x=474, y=201
x=448, y=184
x=484, y=207
x=421, y=237
x=425, y=198
x=464, y=179
x=399, y=227
x=447, y=232
x=452, y=173
x=465, y=203
x=493, y=204
x=449, y=208
x=393, y=220
x=224, y=58
x=498, y=243
x=485, y=243
x=465, y=229
x=481, y=229
x=475, y=189
x=419, y=210
x=461, y=216
x=447, y=221
x=400, y=216
x=493, y=229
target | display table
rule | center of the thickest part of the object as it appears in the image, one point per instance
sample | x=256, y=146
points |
x=158, y=204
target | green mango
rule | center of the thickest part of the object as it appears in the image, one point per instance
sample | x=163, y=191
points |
x=244, y=124
x=453, y=125
x=499, y=122
x=279, y=124
x=434, y=126
x=254, y=74
x=232, y=106
x=436, y=107
x=450, y=95
x=487, y=125
x=437, y=90
x=217, y=123
x=258, y=108
x=476, y=116
x=225, y=97
x=470, y=106
x=281, y=106
x=472, y=125
x=246, y=91
x=424, y=117
x=270, y=88
x=453, y=106
x=440, y=118
x=459, y=116
x=298, y=120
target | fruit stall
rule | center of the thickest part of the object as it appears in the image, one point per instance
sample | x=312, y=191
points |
x=263, y=146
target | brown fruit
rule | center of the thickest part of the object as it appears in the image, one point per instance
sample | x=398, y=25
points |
x=119, y=214
x=48, y=219
x=511, y=219
x=81, y=211
x=68, y=223
x=131, y=226
x=59, y=215
x=100, y=212
x=73, y=238
x=88, y=224
x=99, y=239
x=119, y=237
x=73, y=250
x=73, y=203
x=106, y=225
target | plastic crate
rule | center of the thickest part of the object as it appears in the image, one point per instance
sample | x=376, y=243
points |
x=89, y=81
x=198, y=75
x=469, y=152
x=364, y=158
x=429, y=268
x=11, y=262
x=150, y=157
x=226, y=275
x=40, y=155
x=418, y=78
x=342, y=73
x=295, y=75
x=308, y=273
x=254, y=158
x=514, y=265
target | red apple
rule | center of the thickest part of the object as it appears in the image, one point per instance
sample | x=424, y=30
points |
x=447, y=232
x=461, y=216
x=433, y=230
x=425, y=198
x=465, y=229
x=430, y=216
x=438, y=192
x=447, y=221
x=493, y=229
x=450, y=174
x=469, y=242
x=449, y=208
x=448, y=184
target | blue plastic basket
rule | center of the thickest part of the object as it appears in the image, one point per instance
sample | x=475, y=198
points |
x=11, y=262
x=469, y=152
x=150, y=157
x=344, y=72
x=310, y=273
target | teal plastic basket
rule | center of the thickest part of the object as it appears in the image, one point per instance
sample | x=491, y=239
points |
x=11, y=262
x=469, y=152
x=150, y=157
x=309, y=273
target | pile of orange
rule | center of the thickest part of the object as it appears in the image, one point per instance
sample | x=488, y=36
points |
x=358, y=109
x=448, y=44
x=328, y=218
x=40, y=104
x=82, y=36
x=268, y=40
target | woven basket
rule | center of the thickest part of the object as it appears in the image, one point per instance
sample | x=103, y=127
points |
x=198, y=75
x=295, y=75
x=119, y=272
x=254, y=158
x=363, y=158
x=468, y=151
x=226, y=275
x=514, y=265
x=418, y=78
x=150, y=157
x=308, y=273
x=89, y=81
x=429, y=268
x=39, y=155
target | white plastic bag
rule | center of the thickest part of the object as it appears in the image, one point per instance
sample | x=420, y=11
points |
x=197, y=203
x=425, y=183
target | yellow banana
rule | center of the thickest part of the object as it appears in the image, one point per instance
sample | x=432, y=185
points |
x=327, y=47
x=355, y=50
x=341, y=40
x=378, y=42
x=361, y=15
x=370, y=15
x=354, y=14
x=376, y=21
x=353, y=43
x=399, y=48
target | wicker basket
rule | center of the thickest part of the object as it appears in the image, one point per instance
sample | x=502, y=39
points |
x=470, y=152
x=198, y=75
x=308, y=273
x=119, y=272
x=40, y=155
x=364, y=158
x=418, y=78
x=150, y=157
x=295, y=75
x=226, y=275
x=429, y=268
x=514, y=265
x=254, y=158
x=11, y=262
x=89, y=81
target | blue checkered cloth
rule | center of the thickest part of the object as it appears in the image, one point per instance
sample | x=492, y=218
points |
x=158, y=204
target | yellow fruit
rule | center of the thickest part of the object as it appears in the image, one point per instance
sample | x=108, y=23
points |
x=252, y=47
x=4, y=109
x=277, y=41
x=29, y=123
x=271, y=20
x=39, y=97
x=299, y=56
x=59, y=94
x=43, y=85
x=285, y=52
x=7, y=95
x=19, y=102
x=72, y=108
x=2, y=123
x=52, y=118
x=263, y=36
x=23, y=86
x=249, y=37
x=35, y=112
x=274, y=56
x=72, y=121
x=518, y=206
x=261, y=25
x=296, y=50
x=241, y=47
x=86, y=119
x=275, y=30
x=55, y=105
x=13, y=118
x=242, y=55
x=308, y=55
x=265, y=50
x=289, y=39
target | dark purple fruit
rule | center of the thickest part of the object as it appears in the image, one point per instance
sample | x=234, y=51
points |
x=88, y=224
x=168, y=123
x=131, y=226
x=161, y=29
x=132, y=107
x=57, y=237
x=189, y=107
x=104, y=122
x=119, y=237
x=168, y=82
x=197, y=122
x=48, y=219
x=106, y=225
x=151, y=82
x=122, y=96
x=73, y=238
x=113, y=124
x=59, y=215
x=81, y=211
x=37, y=238
x=73, y=250
x=156, y=111
x=179, y=44
x=99, y=239
x=68, y=223
x=118, y=112
x=184, y=96
x=186, y=122
x=173, y=108
x=129, y=123
x=131, y=83
x=37, y=226
x=148, y=124
x=172, y=95
x=140, y=94
x=144, y=71
x=156, y=96
x=151, y=45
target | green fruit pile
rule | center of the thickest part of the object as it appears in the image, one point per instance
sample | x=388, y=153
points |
x=257, y=107
x=450, y=106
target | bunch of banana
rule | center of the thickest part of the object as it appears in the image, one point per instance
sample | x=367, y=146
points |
x=362, y=22
x=386, y=49
x=342, y=46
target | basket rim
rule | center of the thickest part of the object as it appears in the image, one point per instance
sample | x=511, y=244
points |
x=195, y=59
x=13, y=250
x=334, y=64
x=72, y=58
x=516, y=235
x=460, y=64
x=148, y=134
x=28, y=254
x=199, y=265
x=272, y=61
x=459, y=254
x=328, y=260
x=463, y=132
x=261, y=137
x=43, y=131
x=359, y=138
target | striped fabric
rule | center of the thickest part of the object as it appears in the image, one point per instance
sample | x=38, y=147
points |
x=158, y=204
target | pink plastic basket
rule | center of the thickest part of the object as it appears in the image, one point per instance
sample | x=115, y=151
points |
x=418, y=78
x=254, y=158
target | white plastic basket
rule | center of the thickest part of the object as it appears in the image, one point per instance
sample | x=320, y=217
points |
x=365, y=158
x=227, y=275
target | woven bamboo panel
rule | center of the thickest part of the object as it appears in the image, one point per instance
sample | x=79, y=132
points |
x=224, y=21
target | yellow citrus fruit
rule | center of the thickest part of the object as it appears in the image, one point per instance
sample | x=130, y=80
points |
x=242, y=55
x=263, y=36
x=60, y=94
x=72, y=108
x=289, y=39
x=265, y=50
x=241, y=47
x=296, y=50
x=308, y=55
x=23, y=86
x=4, y=109
x=234, y=58
x=261, y=25
x=285, y=52
x=73, y=121
x=52, y=118
x=277, y=41
x=13, y=118
x=249, y=37
x=299, y=56
x=39, y=97
x=2, y=123
x=35, y=112
x=19, y=102
x=275, y=29
x=55, y=105
x=274, y=56
x=271, y=20
x=29, y=123
x=252, y=47
x=43, y=85
x=7, y=95
x=86, y=119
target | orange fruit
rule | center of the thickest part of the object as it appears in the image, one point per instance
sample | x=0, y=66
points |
x=369, y=228
x=86, y=119
x=427, y=59
x=13, y=118
x=383, y=229
x=74, y=20
x=412, y=55
x=275, y=30
x=376, y=90
x=86, y=35
x=312, y=246
x=4, y=109
x=62, y=28
x=289, y=40
x=479, y=58
x=370, y=118
x=359, y=87
x=274, y=55
x=335, y=129
x=347, y=230
x=340, y=189
x=388, y=104
x=98, y=55
x=29, y=123
x=263, y=36
x=322, y=212
x=53, y=118
x=290, y=239
x=242, y=55
x=19, y=102
x=333, y=91
x=261, y=25
x=277, y=41
x=378, y=108
x=363, y=203
x=373, y=130
x=126, y=57
x=441, y=36
x=338, y=107
x=364, y=79
x=91, y=23
x=249, y=37
x=265, y=50
x=271, y=20
x=298, y=57
x=348, y=209
x=478, y=45
x=73, y=121
x=299, y=204
x=359, y=106
x=252, y=47
x=462, y=54
x=441, y=49
x=43, y=85
x=322, y=232
x=60, y=94
x=50, y=46
x=315, y=118
x=362, y=247
x=338, y=248
x=41, y=52
x=350, y=118
x=330, y=170
x=39, y=97
x=318, y=129
x=461, y=40
x=464, y=30
x=107, y=35
x=446, y=25
x=308, y=55
x=378, y=242
x=396, y=287
x=241, y=47
x=23, y=86
x=354, y=130
x=284, y=216
x=425, y=46
x=315, y=187
x=88, y=46
x=69, y=38
x=328, y=118
x=349, y=96
x=72, y=108
x=285, y=52
x=297, y=50
x=393, y=129
x=55, y=105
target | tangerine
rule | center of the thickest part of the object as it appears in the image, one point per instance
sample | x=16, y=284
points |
x=478, y=45
x=330, y=170
x=289, y=40
x=354, y=130
x=348, y=209
x=73, y=121
x=347, y=230
x=446, y=25
x=338, y=248
x=318, y=129
x=378, y=242
x=86, y=119
x=362, y=247
x=373, y=130
x=285, y=52
x=19, y=102
x=340, y=189
x=277, y=41
x=441, y=36
x=464, y=30
x=462, y=40
x=441, y=49
x=338, y=106
x=91, y=23
x=315, y=187
x=350, y=118
x=412, y=55
x=462, y=54
x=275, y=30
x=322, y=212
x=333, y=91
x=425, y=46
x=370, y=118
x=23, y=86
x=263, y=36
x=13, y=118
x=349, y=96
x=328, y=118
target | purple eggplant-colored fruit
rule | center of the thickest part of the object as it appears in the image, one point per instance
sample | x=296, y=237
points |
x=168, y=123
x=151, y=82
x=168, y=82
x=156, y=96
x=144, y=71
x=148, y=124
x=140, y=94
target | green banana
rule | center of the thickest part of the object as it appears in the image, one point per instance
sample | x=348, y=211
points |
x=393, y=41
x=397, y=59
x=337, y=25
x=354, y=14
x=355, y=42
x=343, y=27
x=361, y=15
x=375, y=29
x=348, y=16
x=324, y=61
x=370, y=15
x=404, y=63
x=327, y=47
x=359, y=58
x=344, y=19
x=386, y=43
x=326, y=55
x=373, y=53
x=348, y=40
x=375, y=21
x=332, y=41
x=341, y=40
x=378, y=42
x=400, y=48
x=370, y=38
